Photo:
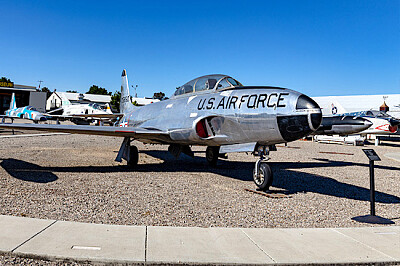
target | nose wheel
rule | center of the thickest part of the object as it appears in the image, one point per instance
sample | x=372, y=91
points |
x=262, y=174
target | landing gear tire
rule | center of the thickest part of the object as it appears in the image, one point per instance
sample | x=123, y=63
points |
x=212, y=154
x=264, y=178
x=133, y=156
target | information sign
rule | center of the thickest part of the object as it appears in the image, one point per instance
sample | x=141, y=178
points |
x=371, y=154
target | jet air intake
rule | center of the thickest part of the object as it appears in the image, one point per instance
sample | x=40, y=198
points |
x=295, y=127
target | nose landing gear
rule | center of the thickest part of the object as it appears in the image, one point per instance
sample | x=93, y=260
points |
x=262, y=174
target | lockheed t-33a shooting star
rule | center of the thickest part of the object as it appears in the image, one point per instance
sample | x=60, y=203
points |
x=215, y=111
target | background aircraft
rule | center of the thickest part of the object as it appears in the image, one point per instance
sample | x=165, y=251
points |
x=84, y=114
x=382, y=123
x=342, y=125
x=215, y=111
x=27, y=112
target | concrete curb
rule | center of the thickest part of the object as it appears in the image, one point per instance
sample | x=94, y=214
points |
x=150, y=245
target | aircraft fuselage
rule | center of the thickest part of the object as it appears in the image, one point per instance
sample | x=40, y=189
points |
x=267, y=115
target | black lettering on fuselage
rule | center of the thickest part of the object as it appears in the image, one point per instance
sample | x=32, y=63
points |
x=280, y=98
x=242, y=100
x=269, y=100
x=227, y=102
x=221, y=103
x=210, y=103
x=252, y=103
x=274, y=100
x=201, y=104
x=261, y=99
x=233, y=102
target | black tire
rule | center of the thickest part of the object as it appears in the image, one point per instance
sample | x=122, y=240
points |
x=212, y=154
x=134, y=156
x=264, y=179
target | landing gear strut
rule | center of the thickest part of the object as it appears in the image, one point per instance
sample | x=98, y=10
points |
x=262, y=174
x=128, y=152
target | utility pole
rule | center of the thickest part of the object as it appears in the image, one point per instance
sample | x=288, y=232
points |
x=40, y=82
x=135, y=87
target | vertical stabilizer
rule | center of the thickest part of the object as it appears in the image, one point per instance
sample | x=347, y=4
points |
x=126, y=105
x=13, y=104
x=108, y=109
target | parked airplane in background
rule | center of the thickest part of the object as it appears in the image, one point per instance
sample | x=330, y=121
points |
x=83, y=113
x=342, y=125
x=382, y=123
x=215, y=111
x=27, y=112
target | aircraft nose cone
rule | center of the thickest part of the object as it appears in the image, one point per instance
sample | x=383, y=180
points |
x=306, y=103
x=367, y=123
x=306, y=121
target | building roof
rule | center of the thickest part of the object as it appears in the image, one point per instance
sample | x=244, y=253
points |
x=85, y=97
x=19, y=88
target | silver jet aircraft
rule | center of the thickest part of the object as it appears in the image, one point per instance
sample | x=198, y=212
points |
x=215, y=111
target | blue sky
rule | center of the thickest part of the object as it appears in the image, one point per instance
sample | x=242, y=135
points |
x=316, y=47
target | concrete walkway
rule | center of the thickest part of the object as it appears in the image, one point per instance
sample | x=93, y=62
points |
x=394, y=156
x=83, y=242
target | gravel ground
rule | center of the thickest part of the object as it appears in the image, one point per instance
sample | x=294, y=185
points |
x=75, y=178
x=13, y=260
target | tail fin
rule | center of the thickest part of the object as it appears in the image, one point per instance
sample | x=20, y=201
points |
x=126, y=105
x=13, y=104
x=108, y=109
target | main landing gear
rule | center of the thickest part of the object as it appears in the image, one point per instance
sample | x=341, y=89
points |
x=128, y=152
x=212, y=155
x=262, y=174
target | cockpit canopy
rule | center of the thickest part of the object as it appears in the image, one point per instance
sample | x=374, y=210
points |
x=95, y=106
x=209, y=82
x=31, y=108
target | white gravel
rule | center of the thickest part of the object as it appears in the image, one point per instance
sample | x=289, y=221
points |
x=75, y=178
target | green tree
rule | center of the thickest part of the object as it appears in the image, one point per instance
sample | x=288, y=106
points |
x=159, y=95
x=47, y=91
x=115, y=100
x=72, y=91
x=4, y=79
x=94, y=89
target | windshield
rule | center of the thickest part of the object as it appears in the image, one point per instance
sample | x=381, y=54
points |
x=228, y=82
x=95, y=106
x=208, y=82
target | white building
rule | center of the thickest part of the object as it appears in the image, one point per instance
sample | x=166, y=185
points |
x=59, y=99
x=144, y=101
x=355, y=103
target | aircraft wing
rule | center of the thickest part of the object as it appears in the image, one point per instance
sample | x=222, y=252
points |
x=98, y=115
x=109, y=116
x=137, y=133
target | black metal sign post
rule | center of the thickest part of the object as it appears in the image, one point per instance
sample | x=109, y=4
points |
x=372, y=156
x=372, y=186
x=372, y=218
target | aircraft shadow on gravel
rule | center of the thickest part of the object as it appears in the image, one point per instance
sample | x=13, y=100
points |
x=285, y=177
